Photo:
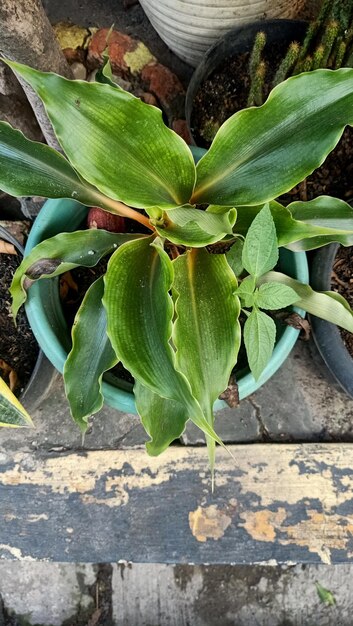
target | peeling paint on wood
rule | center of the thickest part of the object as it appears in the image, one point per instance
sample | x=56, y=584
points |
x=273, y=503
x=208, y=522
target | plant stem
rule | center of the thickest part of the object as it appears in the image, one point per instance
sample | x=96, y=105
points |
x=119, y=208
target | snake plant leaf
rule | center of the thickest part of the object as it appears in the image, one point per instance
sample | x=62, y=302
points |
x=12, y=413
x=29, y=168
x=258, y=154
x=328, y=305
x=260, y=251
x=60, y=254
x=206, y=332
x=118, y=143
x=163, y=419
x=140, y=312
x=91, y=355
x=193, y=227
x=259, y=339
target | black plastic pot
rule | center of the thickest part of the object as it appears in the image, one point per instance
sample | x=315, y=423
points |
x=43, y=371
x=327, y=336
x=238, y=41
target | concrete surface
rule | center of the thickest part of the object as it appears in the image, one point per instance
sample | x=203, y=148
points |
x=44, y=594
x=312, y=409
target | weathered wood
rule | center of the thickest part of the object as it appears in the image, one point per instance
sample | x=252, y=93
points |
x=274, y=503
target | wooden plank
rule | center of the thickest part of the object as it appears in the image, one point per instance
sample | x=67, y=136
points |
x=274, y=503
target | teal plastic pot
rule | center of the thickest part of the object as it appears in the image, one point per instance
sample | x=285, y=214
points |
x=45, y=314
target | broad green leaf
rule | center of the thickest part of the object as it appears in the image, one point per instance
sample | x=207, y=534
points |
x=140, y=312
x=12, y=413
x=91, y=356
x=325, y=304
x=260, y=153
x=259, y=339
x=273, y=296
x=118, y=143
x=234, y=257
x=304, y=234
x=194, y=227
x=206, y=331
x=246, y=290
x=330, y=219
x=29, y=168
x=260, y=251
x=60, y=254
x=163, y=419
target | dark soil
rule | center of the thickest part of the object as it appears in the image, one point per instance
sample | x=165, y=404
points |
x=18, y=347
x=226, y=91
x=342, y=282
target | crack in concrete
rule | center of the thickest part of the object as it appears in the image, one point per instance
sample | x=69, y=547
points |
x=264, y=433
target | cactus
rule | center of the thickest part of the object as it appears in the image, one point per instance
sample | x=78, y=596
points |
x=256, y=53
x=256, y=92
x=287, y=63
x=328, y=43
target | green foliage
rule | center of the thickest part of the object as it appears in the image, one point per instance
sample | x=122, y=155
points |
x=326, y=596
x=169, y=305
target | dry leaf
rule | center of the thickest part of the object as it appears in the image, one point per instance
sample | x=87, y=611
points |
x=7, y=248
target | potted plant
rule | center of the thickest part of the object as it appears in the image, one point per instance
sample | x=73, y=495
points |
x=207, y=245
x=189, y=28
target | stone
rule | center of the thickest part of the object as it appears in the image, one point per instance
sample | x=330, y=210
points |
x=165, y=85
x=79, y=71
x=118, y=45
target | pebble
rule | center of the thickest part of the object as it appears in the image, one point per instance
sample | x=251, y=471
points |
x=79, y=71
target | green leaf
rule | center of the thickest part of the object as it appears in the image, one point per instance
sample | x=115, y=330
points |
x=12, y=413
x=330, y=219
x=259, y=339
x=60, y=254
x=206, y=331
x=260, y=251
x=328, y=305
x=260, y=153
x=105, y=75
x=245, y=291
x=140, y=312
x=273, y=296
x=194, y=227
x=91, y=356
x=322, y=221
x=326, y=596
x=118, y=143
x=234, y=257
x=163, y=419
x=29, y=168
